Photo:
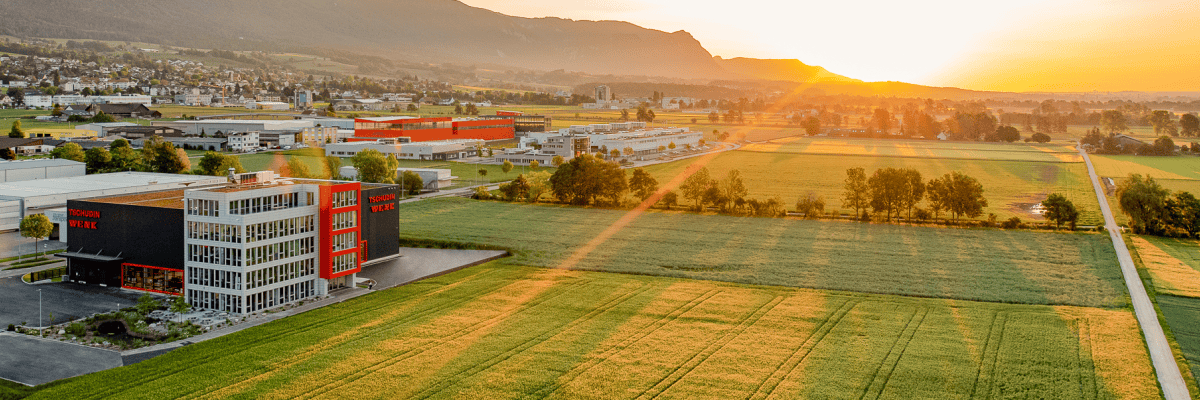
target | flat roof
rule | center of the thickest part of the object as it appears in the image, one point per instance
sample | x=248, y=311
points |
x=386, y=119
x=162, y=199
x=87, y=183
x=38, y=163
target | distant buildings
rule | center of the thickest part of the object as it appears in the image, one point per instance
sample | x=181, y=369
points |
x=432, y=150
x=431, y=129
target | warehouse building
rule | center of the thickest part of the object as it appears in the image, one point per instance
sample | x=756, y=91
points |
x=251, y=243
x=43, y=168
x=18, y=199
x=440, y=150
x=433, y=129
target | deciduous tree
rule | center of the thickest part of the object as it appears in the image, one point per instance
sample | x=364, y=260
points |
x=1060, y=210
x=856, y=193
x=97, y=159
x=36, y=227
x=642, y=184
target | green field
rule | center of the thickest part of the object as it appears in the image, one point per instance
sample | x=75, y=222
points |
x=500, y=331
x=1010, y=187
x=968, y=264
x=1181, y=314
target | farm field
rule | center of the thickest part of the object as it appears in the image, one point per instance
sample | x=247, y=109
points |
x=919, y=149
x=502, y=331
x=1181, y=314
x=1010, y=187
x=1172, y=263
x=1176, y=167
x=967, y=264
x=468, y=174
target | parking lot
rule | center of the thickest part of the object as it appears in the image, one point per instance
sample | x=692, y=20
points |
x=65, y=301
x=417, y=264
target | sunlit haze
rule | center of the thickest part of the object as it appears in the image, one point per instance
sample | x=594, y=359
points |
x=1020, y=45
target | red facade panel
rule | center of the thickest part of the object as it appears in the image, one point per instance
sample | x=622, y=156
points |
x=327, y=211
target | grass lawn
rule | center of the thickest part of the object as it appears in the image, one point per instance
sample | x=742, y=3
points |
x=503, y=331
x=1173, y=264
x=968, y=264
x=1010, y=187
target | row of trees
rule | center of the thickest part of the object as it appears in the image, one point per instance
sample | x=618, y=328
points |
x=892, y=191
x=1110, y=144
x=157, y=156
x=1154, y=210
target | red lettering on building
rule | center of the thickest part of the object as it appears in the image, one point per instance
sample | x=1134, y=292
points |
x=74, y=223
x=383, y=207
x=83, y=213
x=386, y=197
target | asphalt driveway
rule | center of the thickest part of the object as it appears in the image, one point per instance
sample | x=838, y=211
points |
x=66, y=301
x=34, y=361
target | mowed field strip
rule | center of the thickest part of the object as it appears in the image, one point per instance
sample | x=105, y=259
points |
x=1173, y=268
x=969, y=264
x=919, y=148
x=502, y=331
x=1011, y=187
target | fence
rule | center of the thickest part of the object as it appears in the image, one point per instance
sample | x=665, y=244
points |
x=47, y=274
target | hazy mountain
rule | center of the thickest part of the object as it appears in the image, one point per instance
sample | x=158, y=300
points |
x=420, y=30
x=779, y=70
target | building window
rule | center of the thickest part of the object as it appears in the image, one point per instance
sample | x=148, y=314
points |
x=345, y=220
x=161, y=280
x=345, y=262
x=206, y=208
x=345, y=241
x=345, y=199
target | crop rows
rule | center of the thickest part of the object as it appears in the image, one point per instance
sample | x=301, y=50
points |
x=969, y=264
x=520, y=332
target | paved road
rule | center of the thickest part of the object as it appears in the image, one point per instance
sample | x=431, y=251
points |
x=34, y=361
x=1169, y=377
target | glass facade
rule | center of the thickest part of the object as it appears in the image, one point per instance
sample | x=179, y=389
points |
x=161, y=280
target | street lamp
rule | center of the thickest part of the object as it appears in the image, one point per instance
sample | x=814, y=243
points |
x=39, y=308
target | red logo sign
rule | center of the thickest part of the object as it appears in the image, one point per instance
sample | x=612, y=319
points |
x=383, y=207
x=82, y=224
x=84, y=213
x=386, y=197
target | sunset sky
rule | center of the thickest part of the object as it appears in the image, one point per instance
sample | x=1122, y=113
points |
x=1014, y=45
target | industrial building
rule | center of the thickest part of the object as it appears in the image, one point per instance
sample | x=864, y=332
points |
x=440, y=150
x=43, y=168
x=565, y=146
x=250, y=243
x=18, y=199
x=431, y=129
x=433, y=179
x=212, y=126
x=616, y=136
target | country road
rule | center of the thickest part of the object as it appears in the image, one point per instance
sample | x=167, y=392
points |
x=1169, y=377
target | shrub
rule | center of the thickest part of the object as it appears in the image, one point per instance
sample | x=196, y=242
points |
x=76, y=329
x=12, y=328
x=923, y=215
x=1011, y=223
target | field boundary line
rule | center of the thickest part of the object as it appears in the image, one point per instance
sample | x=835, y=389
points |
x=902, y=340
x=618, y=347
x=991, y=353
x=221, y=355
x=446, y=382
x=708, y=351
x=801, y=353
x=1086, y=367
x=450, y=337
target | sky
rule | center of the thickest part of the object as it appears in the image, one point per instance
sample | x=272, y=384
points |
x=1009, y=45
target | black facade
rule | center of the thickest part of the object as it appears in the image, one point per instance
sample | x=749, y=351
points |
x=380, y=221
x=104, y=236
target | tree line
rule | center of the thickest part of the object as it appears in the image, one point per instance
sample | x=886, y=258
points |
x=891, y=192
x=1154, y=210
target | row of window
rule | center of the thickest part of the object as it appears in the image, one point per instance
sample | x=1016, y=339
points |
x=280, y=296
x=345, y=241
x=345, y=199
x=390, y=126
x=215, y=232
x=280, y=228
x=345, y=262
x=214, y=301
x=345, y=220
x=280, y=273
x=214, y=255
x=206, y=208
x=214, y=278
x=279, y=251
x=269, y=203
